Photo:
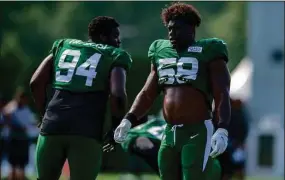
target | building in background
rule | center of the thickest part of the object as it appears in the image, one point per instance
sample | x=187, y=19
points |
x=266, y=101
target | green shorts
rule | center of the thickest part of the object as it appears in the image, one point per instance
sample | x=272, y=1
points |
x=184, y=153
x=84, y=157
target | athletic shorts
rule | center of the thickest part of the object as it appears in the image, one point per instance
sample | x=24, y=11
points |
x=18, y=152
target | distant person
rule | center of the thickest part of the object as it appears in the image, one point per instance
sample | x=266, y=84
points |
x=22, y=120
x=234, y=158
x=2, y=140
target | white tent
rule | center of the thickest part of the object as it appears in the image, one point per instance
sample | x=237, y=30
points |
x=241, y=79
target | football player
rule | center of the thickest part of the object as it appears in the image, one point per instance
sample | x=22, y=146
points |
x=83, y=76
x=191, y=74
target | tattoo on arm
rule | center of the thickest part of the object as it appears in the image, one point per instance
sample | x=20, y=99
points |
x=220, y=83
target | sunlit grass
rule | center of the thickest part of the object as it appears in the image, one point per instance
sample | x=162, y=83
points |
x=152, y=177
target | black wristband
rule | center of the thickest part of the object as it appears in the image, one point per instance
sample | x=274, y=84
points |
x=131, y=117
x=223, y=125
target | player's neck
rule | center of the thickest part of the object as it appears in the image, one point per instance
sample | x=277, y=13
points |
x=184, y=46
x=95, y=41
x=91, y=41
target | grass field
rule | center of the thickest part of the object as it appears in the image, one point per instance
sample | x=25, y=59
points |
x=152, y=177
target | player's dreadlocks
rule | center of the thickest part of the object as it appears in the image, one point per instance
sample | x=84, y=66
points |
x=181, y=11
x=101, y=25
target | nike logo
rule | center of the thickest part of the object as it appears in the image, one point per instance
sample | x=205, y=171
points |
x=191, y=137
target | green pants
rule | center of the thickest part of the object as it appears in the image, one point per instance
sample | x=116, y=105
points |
x=184, y=153
x=84, y=157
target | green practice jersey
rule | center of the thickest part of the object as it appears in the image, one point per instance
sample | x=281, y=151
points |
x=153, y=129
x=188, y=67
x=85, y=66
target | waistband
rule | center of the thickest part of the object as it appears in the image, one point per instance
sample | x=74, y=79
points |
x=189, y=125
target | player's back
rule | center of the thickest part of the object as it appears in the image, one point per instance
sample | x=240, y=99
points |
x=81, y=72
x=83, y=66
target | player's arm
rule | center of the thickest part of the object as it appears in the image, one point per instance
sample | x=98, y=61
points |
x=145, y=98
x=118, y=95
x=141, y=105
x=118, y=102
x=39, y=82
x=220, y=82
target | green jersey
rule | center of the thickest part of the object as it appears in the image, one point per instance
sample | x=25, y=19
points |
x=153, y=129
x=81, y=87
x=85, y=66
x=188, y=67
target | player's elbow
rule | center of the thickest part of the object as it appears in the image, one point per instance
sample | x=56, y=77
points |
x=221, y=95
x=118, y=82
x=119, y=93
x=36, y=84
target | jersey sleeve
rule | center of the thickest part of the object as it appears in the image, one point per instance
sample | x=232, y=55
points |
x=152, y=51
x=217, y=48
x=122, y=59
x=129, y=142
x=55, y=46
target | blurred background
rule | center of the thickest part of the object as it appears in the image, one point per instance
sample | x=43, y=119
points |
x=253, y=31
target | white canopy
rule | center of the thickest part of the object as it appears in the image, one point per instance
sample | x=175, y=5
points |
x=241, y=79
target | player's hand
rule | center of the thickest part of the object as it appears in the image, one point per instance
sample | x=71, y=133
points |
x=122, y=130
x=144, y=143
x=219, y=142
x=109, y=143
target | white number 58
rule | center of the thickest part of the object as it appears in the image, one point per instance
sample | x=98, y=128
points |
x=187, y=74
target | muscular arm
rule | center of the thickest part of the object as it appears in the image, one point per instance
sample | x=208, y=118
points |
x=39, y=81
x=146, y=96
x=118, y=95
x=220, y=83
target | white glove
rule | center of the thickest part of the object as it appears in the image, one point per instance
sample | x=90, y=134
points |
x=121, y=132
x=219, y=142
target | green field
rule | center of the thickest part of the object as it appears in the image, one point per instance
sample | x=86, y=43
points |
x=153, y=177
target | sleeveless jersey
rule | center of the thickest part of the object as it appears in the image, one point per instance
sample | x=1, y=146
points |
x=188, y=67
x=153, y=129
x=85, y=66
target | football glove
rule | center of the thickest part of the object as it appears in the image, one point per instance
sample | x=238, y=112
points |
x=109, y=143
x=122, y=130
x=219, y=142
